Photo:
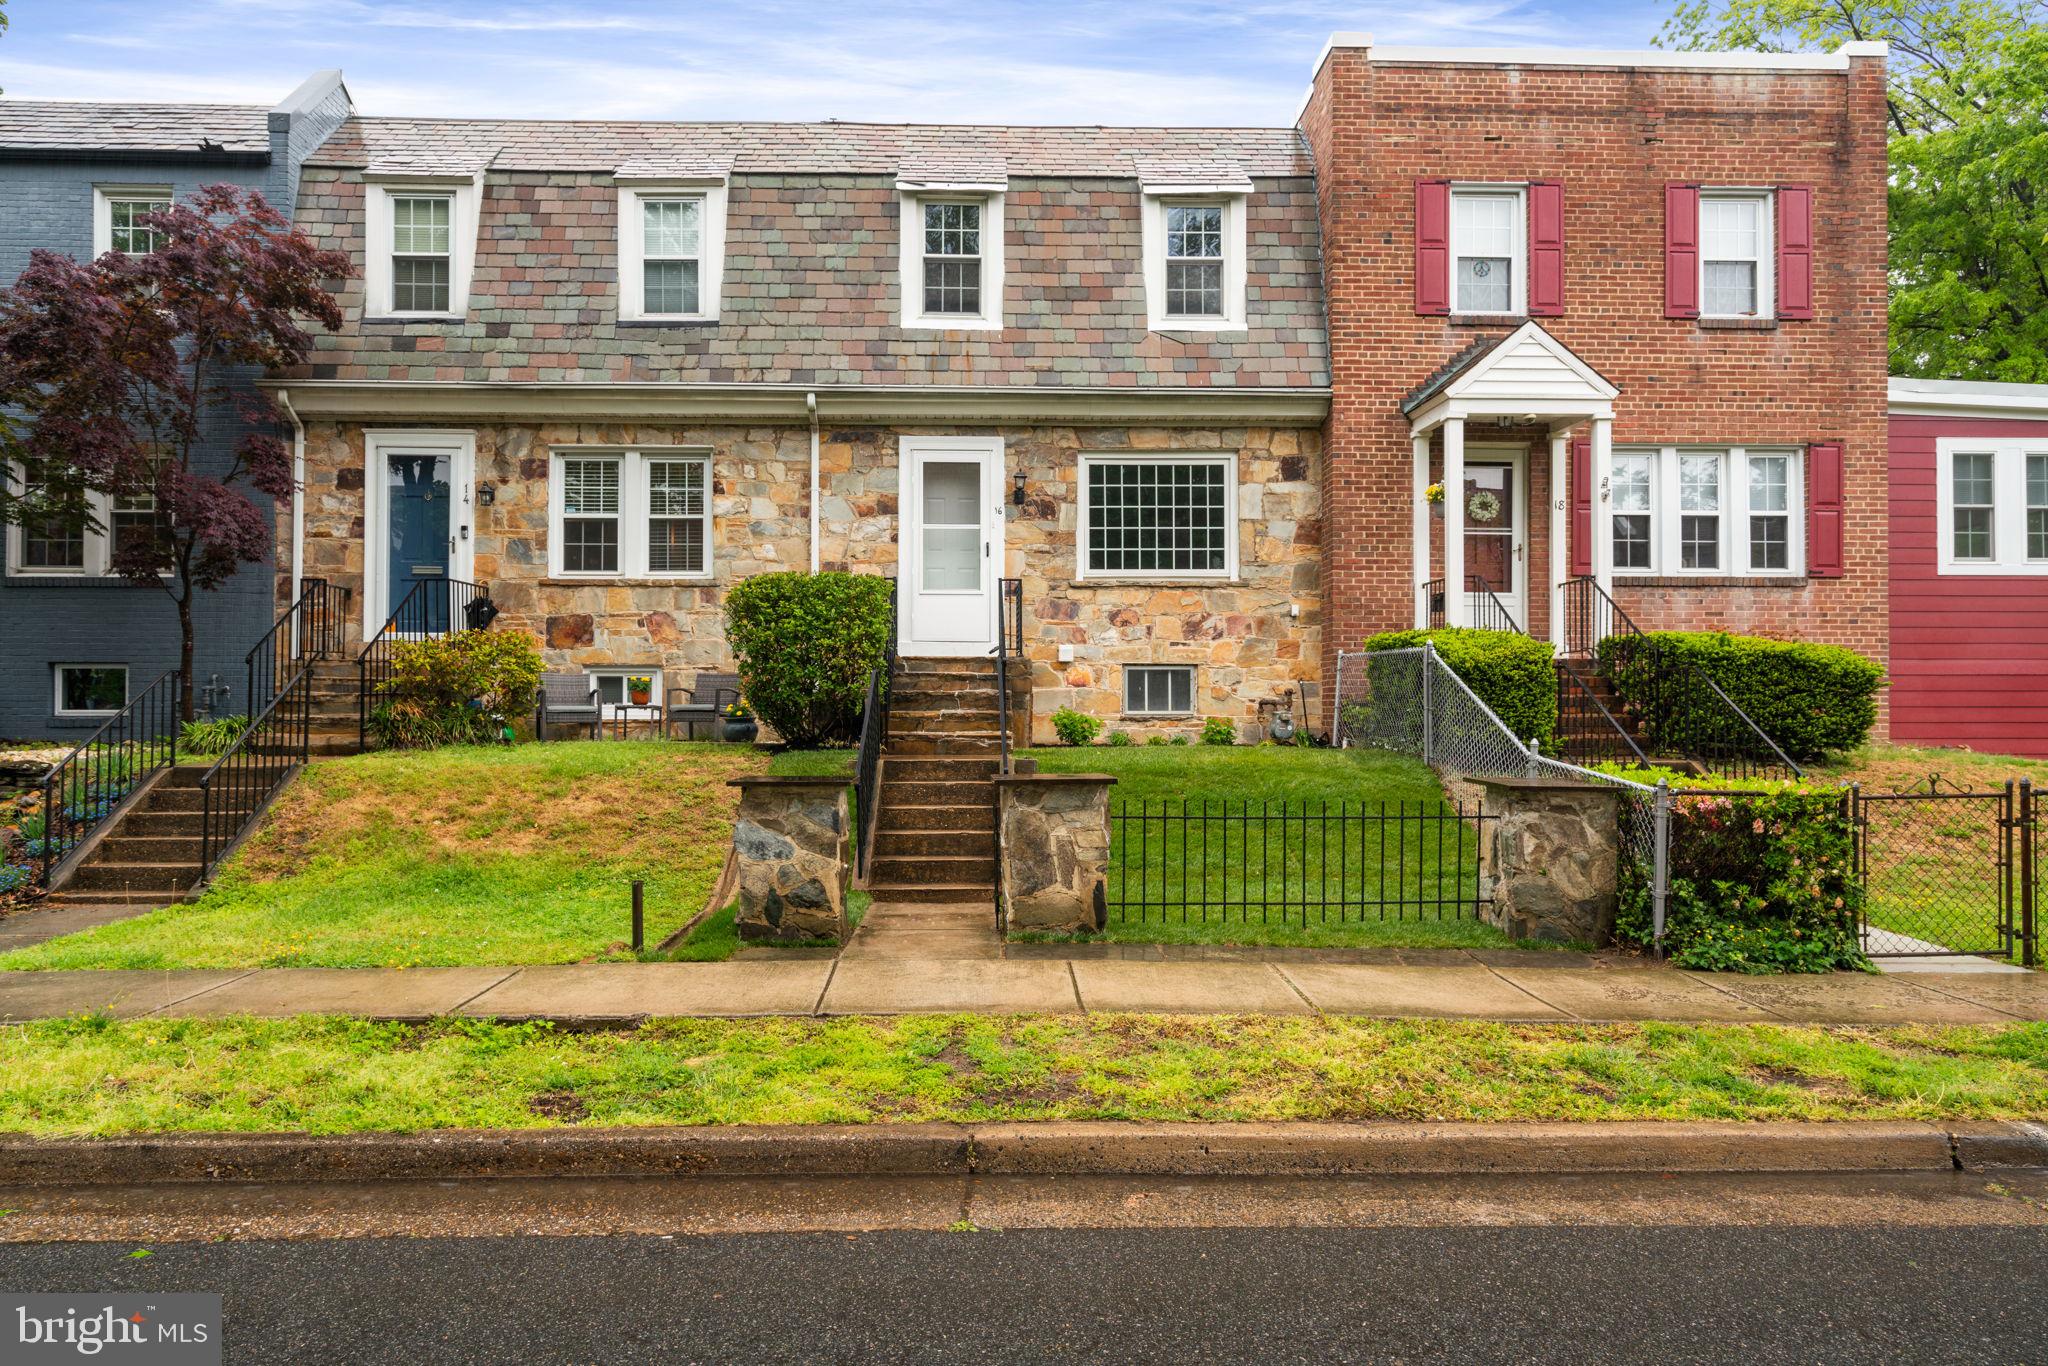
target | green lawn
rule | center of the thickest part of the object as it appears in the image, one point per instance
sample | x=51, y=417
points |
x=327, y=1075
x=466, y=855
x=1364, y=859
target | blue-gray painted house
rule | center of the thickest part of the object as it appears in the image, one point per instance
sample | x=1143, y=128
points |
x=66, y=625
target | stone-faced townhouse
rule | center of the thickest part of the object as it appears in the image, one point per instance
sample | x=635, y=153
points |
x=1629, y=308
x=73, y=176
x=610, y=369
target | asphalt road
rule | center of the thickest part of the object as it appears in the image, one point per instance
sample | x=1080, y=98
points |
x=1465, y=1294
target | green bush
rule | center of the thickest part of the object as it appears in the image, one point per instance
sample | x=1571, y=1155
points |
x=806, y=644
x=1074, y=727
x=1509, y=672
x=1119, y=739
x=1217, y=731
x=1761, y=881
x=464, y=688
x=1813, y=700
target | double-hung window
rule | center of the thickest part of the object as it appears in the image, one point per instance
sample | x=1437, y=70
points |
x=1993, y=506
x=671, y=245
x=1489, y=250
x=1194, y=260
x=1706, y=511
x=1735, y=254
x=631, y=514
x=421, y=235
x=422, y=252
x=1194, y=244
x=75, y=537
x=118, y=212
x=952, y=259
x=1158, y=517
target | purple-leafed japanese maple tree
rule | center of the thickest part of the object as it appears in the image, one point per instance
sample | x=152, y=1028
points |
x=115, y=375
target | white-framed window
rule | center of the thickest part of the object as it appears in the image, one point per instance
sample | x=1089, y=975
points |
x=630, y=514
x=116, y=214
x=952, y=258
x=671, y=250
x=89, y=689
x=1992, y=501
x=1159, y=689
x=1737, y=269
x=420, y=247
x=56, y=546
x=614, y=689
x=1195, y=264
x=1158, y=517
x=1688, y=510
x=1489, y=249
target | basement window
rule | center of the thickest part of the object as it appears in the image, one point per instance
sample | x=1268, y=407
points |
x=1159, y=690
x=91, y=689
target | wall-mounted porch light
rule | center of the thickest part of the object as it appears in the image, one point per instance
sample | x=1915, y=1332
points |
x=1017, y=489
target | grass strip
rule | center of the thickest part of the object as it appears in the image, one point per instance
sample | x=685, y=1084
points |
x=93, y=1076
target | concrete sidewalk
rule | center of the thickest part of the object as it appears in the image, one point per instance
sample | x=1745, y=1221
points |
x=615, y=993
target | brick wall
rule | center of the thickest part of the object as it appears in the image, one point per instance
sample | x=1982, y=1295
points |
x=1614, y=137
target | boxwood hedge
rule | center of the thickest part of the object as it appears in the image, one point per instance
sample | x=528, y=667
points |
x=806, y=644
x=1511, y=673
x=1813, y=700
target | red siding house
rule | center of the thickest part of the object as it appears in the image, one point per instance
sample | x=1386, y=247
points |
x=1969, y=584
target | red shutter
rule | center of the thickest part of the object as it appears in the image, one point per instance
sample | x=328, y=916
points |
x=1681, y=251
x=1795, y=251
x=1824, y=509
x=1546, y=248
x=1433, y=246
x=1582, y=505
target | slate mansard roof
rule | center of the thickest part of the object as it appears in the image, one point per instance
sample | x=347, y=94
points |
x=64, y=126
x=810, y=280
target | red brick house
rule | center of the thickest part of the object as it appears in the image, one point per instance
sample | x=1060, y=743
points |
x=1634, y=305
x=1969, y=565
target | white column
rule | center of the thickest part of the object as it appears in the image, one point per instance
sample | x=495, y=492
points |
x=1560, y=530
x=1603, y=507
x=1419, y=531
x=1455, y=613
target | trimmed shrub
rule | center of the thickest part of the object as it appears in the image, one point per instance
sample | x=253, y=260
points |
x=457, y=689
x=1761, y=881
x=1075, y=727
x=805, y=645
x=1217, y=731
x=1511, y=673
x=1813, y=700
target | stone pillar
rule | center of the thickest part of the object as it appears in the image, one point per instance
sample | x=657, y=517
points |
x=1555, y=858
x=1055, y=849
x=791, y=841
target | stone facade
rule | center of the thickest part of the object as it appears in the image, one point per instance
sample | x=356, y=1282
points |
x=1555, y=859
x=792, y=842
x=1251, y=637
x=1055, y=850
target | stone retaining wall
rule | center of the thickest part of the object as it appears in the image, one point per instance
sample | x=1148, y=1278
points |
x=1055, y=850
x=792, y=847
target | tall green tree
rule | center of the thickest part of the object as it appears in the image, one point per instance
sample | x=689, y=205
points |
x=1967, y=102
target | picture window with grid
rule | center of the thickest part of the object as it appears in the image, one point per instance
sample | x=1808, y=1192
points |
x=1159, y=689
x=1158, y=517
x=127, y=233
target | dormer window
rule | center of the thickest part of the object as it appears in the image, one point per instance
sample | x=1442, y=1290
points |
x=952, y=258
x=421, y=236
x=422, y=252
x=1194, y=260
x=671, y=245
x=1194, y=243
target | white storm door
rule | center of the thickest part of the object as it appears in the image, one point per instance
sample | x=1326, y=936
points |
x=952, y=544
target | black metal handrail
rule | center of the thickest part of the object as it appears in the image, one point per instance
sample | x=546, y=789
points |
x=1489, y=613
x=1678, y=705
x=242, y=780
x=85, y=786
x=874, y=731
x=311, y=628
x=1584, y=722
x=433, y=607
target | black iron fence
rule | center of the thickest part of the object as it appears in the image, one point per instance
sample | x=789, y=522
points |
x=433, y=607
x=234, y=790
x=1296, y=862
x=1485, y=609
x=311, y=628
x=87, y=784
x=1946, y=870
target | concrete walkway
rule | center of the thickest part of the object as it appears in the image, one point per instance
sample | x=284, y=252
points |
x=615, y=993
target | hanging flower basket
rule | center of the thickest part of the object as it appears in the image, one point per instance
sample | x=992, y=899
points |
x=1434, y=496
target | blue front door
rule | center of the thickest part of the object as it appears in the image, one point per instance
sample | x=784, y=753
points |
x=418, y=498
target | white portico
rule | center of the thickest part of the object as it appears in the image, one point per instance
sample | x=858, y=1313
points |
x=1528, y=378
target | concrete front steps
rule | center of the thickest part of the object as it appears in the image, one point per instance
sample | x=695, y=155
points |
x=936, y=818
x=150, y=855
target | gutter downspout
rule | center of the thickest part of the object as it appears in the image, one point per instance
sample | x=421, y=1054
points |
x=811, y=406
x=284, y=401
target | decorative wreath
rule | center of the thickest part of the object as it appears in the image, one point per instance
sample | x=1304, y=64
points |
x=1481, y=269
x=1484, y=507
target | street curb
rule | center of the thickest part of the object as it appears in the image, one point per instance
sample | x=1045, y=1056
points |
x=1065, y=1149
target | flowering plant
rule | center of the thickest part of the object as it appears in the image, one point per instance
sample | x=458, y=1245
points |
x=1433, y=495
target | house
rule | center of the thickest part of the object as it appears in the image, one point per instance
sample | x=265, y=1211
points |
x=73, y=176
x=1969, y=570
x=1188, y=387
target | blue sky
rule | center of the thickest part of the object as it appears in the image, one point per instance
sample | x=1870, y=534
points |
x=1055, y=61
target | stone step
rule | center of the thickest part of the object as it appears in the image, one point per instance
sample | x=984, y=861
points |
x=911, y=695
x=966, y=796
x=96, y=876
x=919, y=720
x=185, y=775
x=951, y=870
x=931, y=893
x=81, y=900
x=968, y=743
x=971, y=815
x=891, y=844
x=938, y=769
x=146, y=821
x=122, y=847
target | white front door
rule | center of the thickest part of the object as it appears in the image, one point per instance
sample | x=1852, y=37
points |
x=1496, y=535
x=952, y=532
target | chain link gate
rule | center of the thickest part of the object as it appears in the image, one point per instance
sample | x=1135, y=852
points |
x=1947, y=871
